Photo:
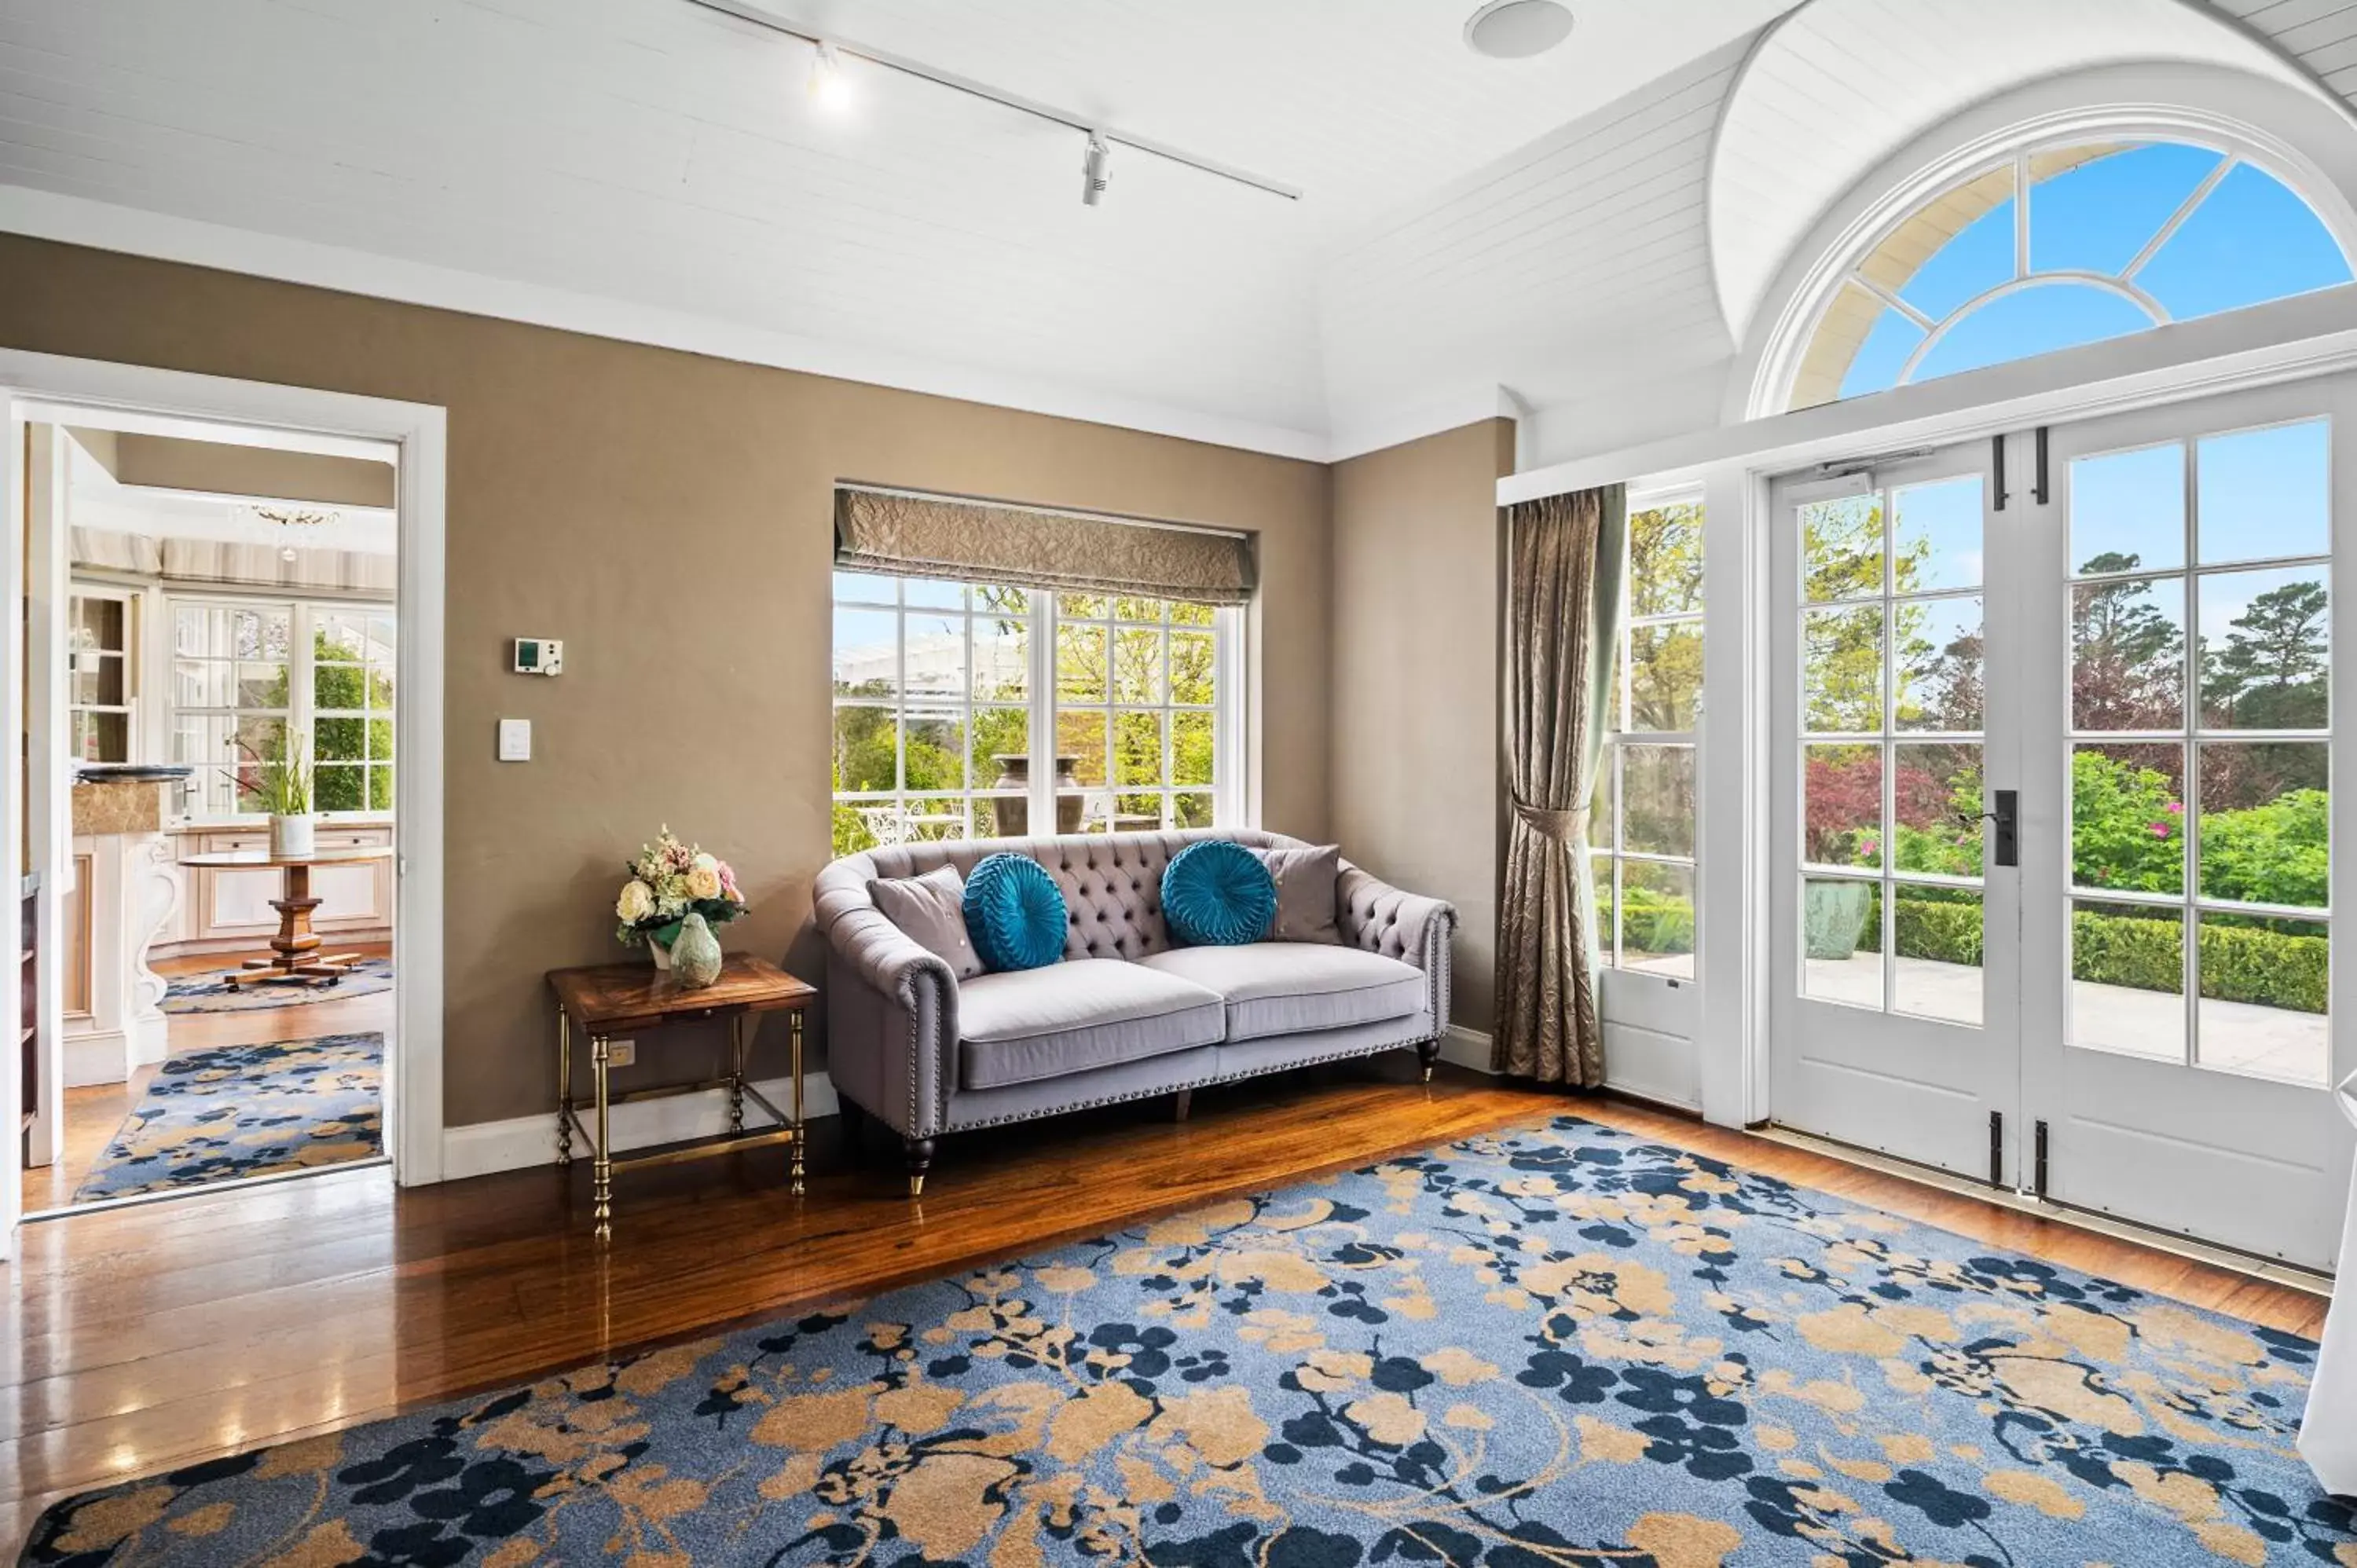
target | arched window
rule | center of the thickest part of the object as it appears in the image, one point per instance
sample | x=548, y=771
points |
x=2058, y=246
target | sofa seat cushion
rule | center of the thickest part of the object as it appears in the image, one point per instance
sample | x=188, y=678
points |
x=1030, y=1024
x=1289, y=988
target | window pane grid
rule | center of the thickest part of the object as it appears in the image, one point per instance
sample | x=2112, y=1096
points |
x=2199, y=905
x=1891, y=736
x=2052, y=246
x=1641, y=829
x=1128, y=697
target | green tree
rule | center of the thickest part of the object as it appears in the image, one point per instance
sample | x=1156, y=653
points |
x=2125, y=651
x=2271, y=674
x=352, y=750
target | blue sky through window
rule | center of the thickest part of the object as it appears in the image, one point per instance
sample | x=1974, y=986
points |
x=2259, y=495
x=2248, y=240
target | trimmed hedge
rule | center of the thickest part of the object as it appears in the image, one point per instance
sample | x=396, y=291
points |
x=1655, y=923
x=2242, y=963
x=2239, y=963
x=2271, y=969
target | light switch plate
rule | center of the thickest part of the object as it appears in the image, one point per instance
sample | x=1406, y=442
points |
x=515, y=740
x=622, y=1052
x=538, y=656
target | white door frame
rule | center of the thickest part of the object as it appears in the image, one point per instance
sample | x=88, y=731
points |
x=414, y=1133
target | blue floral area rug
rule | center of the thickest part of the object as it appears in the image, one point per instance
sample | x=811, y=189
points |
x=210, y=991
x=247, y=1110
x=1561, y=1348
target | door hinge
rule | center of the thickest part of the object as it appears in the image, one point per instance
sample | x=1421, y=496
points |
x=2039, y=1184
x=1997, y=460
x=1997, y=1148
x=2037, y=486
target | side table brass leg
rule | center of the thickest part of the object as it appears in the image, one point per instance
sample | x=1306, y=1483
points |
x=564, y=1089
x=801, y=1130
x=736, y=1074
x=601, y=1187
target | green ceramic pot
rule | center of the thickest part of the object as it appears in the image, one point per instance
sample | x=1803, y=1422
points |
x=694, y=955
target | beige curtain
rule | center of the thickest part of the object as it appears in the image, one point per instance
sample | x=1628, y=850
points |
x=906, y=535
x=1563, y=558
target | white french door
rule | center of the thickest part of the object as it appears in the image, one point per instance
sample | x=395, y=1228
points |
x=2191, y=834
x=1894, y=1026
x=2120, y=640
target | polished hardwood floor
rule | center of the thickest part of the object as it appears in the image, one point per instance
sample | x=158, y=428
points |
x=93, y=1113
x=143, y=1338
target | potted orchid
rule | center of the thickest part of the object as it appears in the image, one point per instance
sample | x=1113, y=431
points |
x=668, y=882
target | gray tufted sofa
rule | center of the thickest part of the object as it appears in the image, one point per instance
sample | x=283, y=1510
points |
x=1127, y=1013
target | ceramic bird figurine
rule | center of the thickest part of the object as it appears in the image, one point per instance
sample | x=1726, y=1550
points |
x=695, y=956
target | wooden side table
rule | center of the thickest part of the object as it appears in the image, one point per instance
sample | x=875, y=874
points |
x=614, y=999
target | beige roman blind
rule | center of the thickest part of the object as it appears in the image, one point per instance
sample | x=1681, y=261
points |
x=904, y=535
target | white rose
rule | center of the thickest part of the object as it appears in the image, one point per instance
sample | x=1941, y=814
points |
x=703, y=862
x=703, y=882
x=637, y=902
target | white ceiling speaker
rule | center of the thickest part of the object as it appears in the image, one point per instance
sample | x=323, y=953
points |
x=1517, y=29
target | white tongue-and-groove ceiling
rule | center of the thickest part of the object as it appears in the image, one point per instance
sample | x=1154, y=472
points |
x=656, y=169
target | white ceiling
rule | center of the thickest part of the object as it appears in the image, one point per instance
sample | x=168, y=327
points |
x=654, y=169
x=665, y=157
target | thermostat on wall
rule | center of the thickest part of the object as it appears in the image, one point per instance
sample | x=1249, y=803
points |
x=538, y=656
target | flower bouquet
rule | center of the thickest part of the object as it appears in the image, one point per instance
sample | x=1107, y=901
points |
x=668, y=882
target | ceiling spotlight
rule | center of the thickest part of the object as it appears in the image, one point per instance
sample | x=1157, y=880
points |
x=1093, y=170
x=830, y=83
x=1517, y=29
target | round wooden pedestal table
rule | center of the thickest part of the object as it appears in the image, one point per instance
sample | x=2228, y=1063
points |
x=295, y=958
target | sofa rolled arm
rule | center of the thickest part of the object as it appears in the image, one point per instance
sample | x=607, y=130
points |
x=892, y=1011
x=1380, y=918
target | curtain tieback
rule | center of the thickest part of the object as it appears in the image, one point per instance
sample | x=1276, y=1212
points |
x=1558, y=827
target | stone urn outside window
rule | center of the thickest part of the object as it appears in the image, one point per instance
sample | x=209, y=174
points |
x=1015, y=812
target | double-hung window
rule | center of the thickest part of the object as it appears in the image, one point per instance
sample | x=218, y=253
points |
x=1640, y=829
x=243, y=671
x=976, y=710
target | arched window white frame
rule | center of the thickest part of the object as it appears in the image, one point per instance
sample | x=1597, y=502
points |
x=2189, y=185
x=2304, y=141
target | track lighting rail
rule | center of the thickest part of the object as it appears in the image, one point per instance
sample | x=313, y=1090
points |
x=761, y=17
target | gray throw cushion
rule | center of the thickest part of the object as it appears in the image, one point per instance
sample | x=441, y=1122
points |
x=931, y=910
x=1288, y=988
x=1305, y=892
x=1028, y=1024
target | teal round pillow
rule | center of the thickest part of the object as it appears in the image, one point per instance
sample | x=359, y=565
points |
x=1217, y=894
x=1014, y=913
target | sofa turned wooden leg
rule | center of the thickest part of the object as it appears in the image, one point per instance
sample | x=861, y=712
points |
x=1428, y=1053
x=1183, y=1102
x=919, y=1152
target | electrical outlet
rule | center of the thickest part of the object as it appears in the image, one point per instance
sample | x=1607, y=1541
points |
x=622, y=1052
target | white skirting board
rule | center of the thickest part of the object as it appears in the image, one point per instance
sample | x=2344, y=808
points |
x=1461, y=1046
x=1638, y=1062
x=483, y=1147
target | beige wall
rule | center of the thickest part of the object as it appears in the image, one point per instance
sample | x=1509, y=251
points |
x=1415, y=717
x=667, y=516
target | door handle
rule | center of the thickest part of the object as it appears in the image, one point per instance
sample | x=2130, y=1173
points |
x=2007, y=819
